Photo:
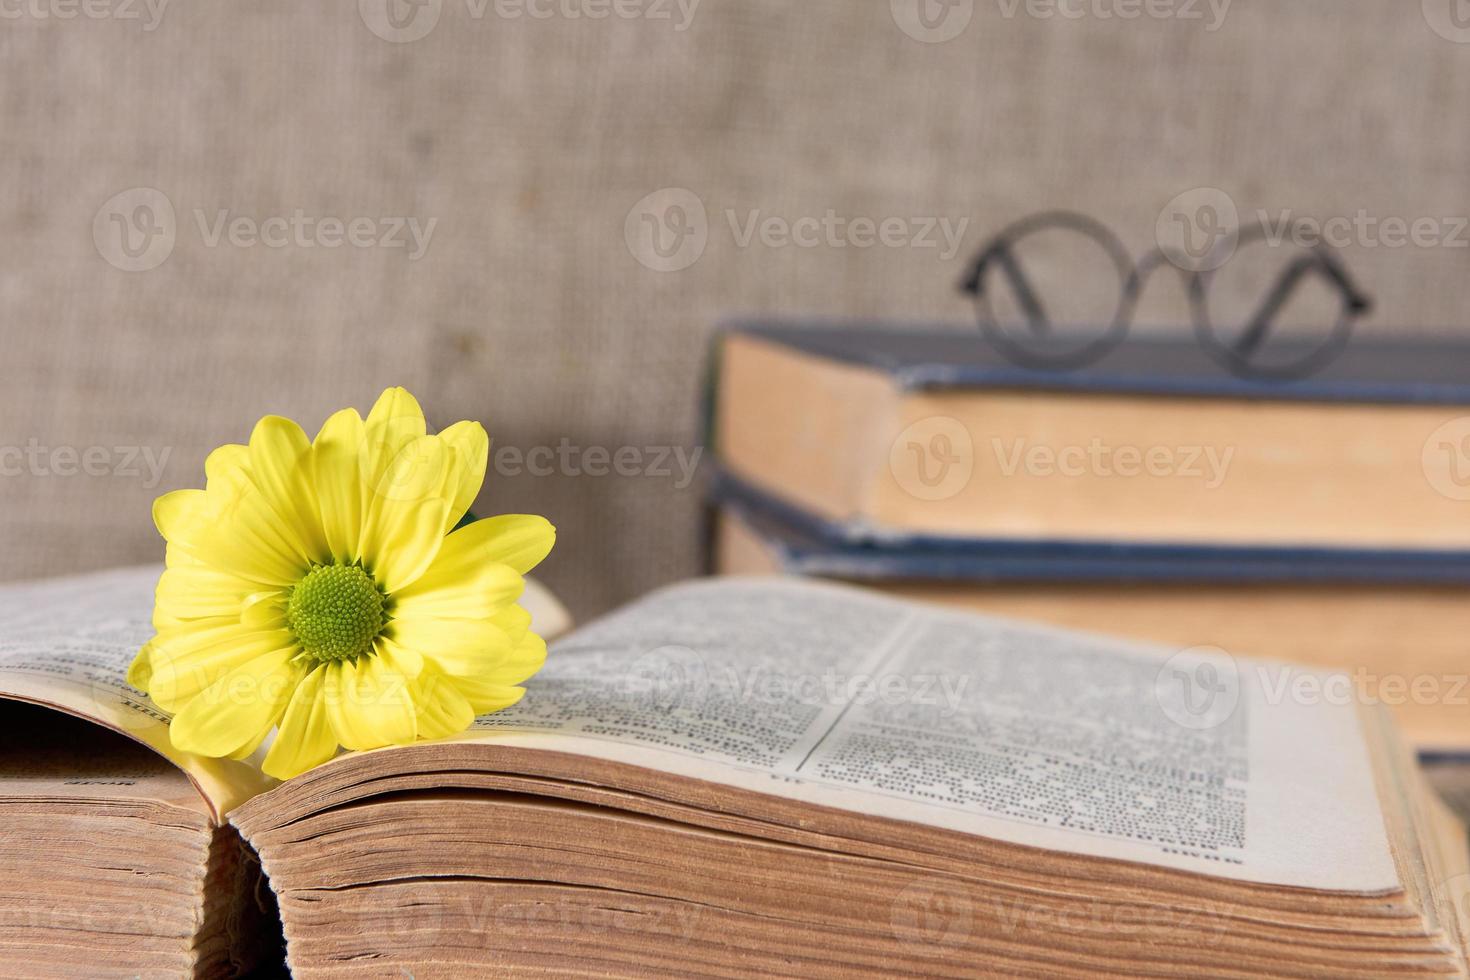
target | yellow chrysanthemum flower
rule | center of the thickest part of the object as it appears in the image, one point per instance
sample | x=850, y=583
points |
x=319, y=586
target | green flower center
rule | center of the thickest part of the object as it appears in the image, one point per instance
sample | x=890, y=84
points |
x=336, y=612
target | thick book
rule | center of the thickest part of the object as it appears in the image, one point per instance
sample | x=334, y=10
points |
x=766, y=777
x=116, y=855
x=891, y=432
x=1394, y=622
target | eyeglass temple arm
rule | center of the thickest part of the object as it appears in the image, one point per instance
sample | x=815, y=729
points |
x=1030, y=304
x=1260, y=325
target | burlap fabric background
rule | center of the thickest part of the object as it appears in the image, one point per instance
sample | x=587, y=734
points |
x=529, y=140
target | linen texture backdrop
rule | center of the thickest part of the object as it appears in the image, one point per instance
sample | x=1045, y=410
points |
x=528, y=131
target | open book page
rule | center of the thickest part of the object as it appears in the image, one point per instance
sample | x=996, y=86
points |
x=56, y=756
x=1013, y=731
x=67, y=643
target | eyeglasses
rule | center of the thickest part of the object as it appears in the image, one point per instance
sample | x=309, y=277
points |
x=1045, y=348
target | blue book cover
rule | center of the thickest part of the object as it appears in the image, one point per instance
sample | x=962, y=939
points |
x=1406, y=370
x=807, y=545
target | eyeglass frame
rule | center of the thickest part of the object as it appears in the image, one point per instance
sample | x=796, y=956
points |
x=1133, y=276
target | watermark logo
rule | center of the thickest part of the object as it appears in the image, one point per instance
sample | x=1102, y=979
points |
x=1446, y=459
x=1284, y=682
x=148, y=12
x=673, y=678
x=36, y=459
x=135, y=230
x=932, y=21
x=1198, y=688
x=832, y=230
x=1211, y=13
x=668, y=678
x=668, y=230
x=1450, y=19
x=933, y=914
x=678, y=464
x=1363, y=229
x=417, y=472
x=1207, y=464
x=400, y=21
x=1199, y=229
x=934, y=458
x=302, y=230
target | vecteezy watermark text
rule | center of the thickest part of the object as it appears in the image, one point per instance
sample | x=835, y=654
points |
x=937, y=21
x=566, y=458
x=148, y=12
x=126, y=462
x=1209, y=13
x=1209, y=464
x=669, y=230
x=301, y=230
x=679, y=677
x=1201, y=687
x=935, y=458
x=832, y=230
x=137, y=229
x=402, y=21
x=1364, y=229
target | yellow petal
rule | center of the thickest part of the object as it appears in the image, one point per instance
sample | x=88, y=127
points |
x=196, y=632
x=183, y=669
x=455, y=646
x=336, y=696
x=395, y=421
x=265, y=610
x=305, y=739
x=517, y=540
x=199, y=591
x=237, y=533
x=485, y=697
x=394, y=407
x=515, y=621
x=248, y=749
x=227, y=467
x=370, y=704
x=419, y=472
x=141, y=669
x=471, y=448
x=280, y=467
x=472, y=593
x=443, y=710
x=251, y=540
x=180, y=515
x=401, y=658
x=401, y=543
x=528, y=657
x=477, y=551
x=239, y=708
x=404, y=527
x=337, y=474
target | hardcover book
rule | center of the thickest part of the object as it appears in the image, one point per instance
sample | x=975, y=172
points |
x=752, y=777
x=890, y=432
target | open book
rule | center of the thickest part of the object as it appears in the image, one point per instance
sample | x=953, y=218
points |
x=749, y=777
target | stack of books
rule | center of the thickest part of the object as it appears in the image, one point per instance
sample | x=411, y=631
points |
x=770, y=776
x=1323, y=521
